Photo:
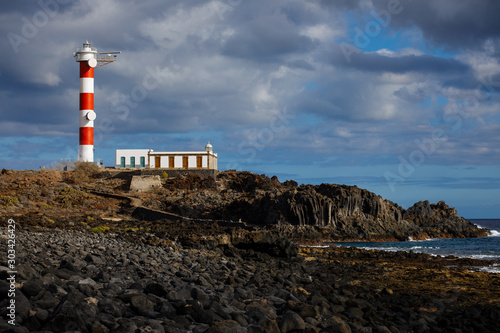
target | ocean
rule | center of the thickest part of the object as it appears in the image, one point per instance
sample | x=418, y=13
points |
x=487, y=248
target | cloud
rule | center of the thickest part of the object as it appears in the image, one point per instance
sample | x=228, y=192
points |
x=267, y=38
x=453, y=24
x=408, y=63
x=226, y=68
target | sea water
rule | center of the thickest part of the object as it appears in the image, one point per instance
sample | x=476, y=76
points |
x=487, y=248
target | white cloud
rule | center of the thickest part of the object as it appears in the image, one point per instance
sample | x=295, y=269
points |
x=321, y=32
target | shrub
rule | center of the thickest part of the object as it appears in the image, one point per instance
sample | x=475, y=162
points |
x=70, y=197
x=84, y=171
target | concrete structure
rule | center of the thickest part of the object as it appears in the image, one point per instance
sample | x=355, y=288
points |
x=88, y=59
x=184, y=160
x=144, y=183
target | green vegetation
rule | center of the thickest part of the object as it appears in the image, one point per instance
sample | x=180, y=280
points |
x=101, y=228
x=8, y=201
x=164, y=175
x=69, y=197
x=46, y=206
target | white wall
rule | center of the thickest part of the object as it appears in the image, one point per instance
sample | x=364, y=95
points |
x=128, y=153
x=164, y=161
x=178, y=162
x=191, y=161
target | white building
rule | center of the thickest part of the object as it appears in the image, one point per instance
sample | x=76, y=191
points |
x=147, y=158
x=131, y=158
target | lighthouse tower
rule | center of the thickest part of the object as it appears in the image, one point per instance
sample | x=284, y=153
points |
x=89, y=59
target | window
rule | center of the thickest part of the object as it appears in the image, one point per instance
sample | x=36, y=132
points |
x=143, y=162
x=132, y=162
x=122, y=162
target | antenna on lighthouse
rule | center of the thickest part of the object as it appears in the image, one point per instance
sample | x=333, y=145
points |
x=89, y=59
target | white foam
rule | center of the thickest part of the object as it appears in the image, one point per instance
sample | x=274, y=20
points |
x=494, y=233
x=482, y=256
x=315, y=246
x=490, y=269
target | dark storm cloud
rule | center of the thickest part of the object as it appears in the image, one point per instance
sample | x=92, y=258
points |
x=267, y=38
x=455, y=24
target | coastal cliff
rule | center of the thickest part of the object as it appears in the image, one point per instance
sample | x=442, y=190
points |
x=341, y=211
x=327, y=211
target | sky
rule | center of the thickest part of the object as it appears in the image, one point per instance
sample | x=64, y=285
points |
x=399, y=97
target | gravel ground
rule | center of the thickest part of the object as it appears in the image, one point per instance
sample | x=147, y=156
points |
x=71, y=280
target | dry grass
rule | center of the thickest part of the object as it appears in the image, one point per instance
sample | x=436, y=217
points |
x=84, y=172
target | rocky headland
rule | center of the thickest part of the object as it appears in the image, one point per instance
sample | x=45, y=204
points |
x=338, y=212
x=86, y=264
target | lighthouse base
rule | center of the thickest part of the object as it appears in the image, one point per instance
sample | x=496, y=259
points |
x=86, y=153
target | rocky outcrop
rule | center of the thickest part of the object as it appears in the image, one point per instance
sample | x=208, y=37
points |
x=440, y=220
x=330, y=211
x=347, y=212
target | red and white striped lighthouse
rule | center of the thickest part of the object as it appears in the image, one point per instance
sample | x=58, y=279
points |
x=88, y=58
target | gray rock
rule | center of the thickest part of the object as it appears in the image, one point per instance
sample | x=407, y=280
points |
x=198, y=294
x=141, y=305
x=42, y=315
x=47, y=302
x=291, y=321
x=87, y=281
x=335, y=324
x=156, y=289
x=23, y=306
x=32, y=287
x=114, y=307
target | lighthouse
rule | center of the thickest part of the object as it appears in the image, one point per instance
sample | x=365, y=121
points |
x=89, y=59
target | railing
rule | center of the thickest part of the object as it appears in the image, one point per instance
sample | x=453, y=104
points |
x=104, y=60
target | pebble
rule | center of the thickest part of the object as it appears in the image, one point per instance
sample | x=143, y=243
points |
x=88, y=282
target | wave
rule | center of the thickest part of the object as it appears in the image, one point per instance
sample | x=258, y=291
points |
x=494, y=233
x=410, y=239
x=495, y=268
x=425, y=247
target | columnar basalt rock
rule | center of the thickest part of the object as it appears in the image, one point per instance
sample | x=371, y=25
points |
x=348, y=212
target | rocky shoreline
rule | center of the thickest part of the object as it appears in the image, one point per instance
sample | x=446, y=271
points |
x=79, y=280
x=86, y=263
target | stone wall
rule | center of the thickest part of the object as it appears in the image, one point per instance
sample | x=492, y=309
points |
x=204, y=173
